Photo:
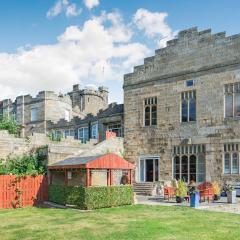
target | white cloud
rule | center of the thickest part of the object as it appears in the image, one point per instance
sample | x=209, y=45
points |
x=73, y=11
x=154, y=25
x=91, y=3
x=64, y=6
x=98, y=52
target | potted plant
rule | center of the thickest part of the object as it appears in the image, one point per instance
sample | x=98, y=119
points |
x=181, y=191
x=216, y=191
x=231, y=194
x=194, y=195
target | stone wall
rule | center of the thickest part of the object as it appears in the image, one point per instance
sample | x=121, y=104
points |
x=211, y=60
x=11, y=146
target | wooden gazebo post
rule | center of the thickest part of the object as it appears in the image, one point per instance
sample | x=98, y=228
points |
x=130, y=176
x=88, y=177
x=65, y=177
x=109, y=177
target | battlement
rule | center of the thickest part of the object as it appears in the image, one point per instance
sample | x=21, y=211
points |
x=41, y=96
x=190, y=51
x=88, y=90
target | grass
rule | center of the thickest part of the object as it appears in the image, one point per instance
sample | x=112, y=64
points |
x=128, y=222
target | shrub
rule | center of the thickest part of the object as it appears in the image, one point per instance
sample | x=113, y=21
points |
x=25, y=165
x=9, y=125
x=182, y=189
x=216, y=188
x=91, y=197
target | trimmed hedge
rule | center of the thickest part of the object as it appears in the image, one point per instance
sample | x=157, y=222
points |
x=91, y=197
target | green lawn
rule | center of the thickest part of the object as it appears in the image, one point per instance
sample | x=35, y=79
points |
x=130, y=222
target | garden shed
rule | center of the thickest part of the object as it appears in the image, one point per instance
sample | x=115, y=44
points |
x=99, y=170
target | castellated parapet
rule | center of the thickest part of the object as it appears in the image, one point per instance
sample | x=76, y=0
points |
x=33, y=112
x=182, y=56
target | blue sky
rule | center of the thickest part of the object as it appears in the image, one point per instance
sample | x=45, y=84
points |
x=52, y=44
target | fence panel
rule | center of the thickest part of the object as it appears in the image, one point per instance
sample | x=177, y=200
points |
x=21, y=192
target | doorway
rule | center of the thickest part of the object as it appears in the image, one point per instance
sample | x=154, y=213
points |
x=149, y=169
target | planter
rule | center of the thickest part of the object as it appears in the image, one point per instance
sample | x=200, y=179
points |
x=194, y=199
x=179, y=199
x=231, y=197
x=216, y=197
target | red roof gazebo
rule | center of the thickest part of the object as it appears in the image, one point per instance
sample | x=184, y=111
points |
x=84, y=169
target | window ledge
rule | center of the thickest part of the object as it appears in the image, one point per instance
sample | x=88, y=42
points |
x=230, y=174
x=155, y=126
x=232, y=118
x=187, y=123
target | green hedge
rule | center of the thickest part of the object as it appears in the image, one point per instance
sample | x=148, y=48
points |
x=91, y=197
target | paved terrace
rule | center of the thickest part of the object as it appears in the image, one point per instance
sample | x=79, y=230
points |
x=218, y=206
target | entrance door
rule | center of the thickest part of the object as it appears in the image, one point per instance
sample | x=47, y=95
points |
x=149, y=170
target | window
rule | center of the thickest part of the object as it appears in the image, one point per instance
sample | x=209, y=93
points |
x=232, y=100
x=193, y=167
x=67, y=115
x=188, y=165
x=185, y=168
x=150, y=111
x=116, y=128
x=189, y=83
x=58, y=134
x=94, y=131
x=83, y=135
x=235, y=163
x=34, y=114
x=188, y=106
x=231, y=158
x=227, y=163
x=69, y=133
x=176, y=170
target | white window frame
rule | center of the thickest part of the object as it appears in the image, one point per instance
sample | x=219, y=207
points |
x=94, y=131
x=231, y=163
x=144, y=158
x=233, y=99
x=68, y=133
x=82, y=135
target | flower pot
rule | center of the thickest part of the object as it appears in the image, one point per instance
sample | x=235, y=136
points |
x=179, y=199
x=194, y=199
x=216, y=197
x=231, y=197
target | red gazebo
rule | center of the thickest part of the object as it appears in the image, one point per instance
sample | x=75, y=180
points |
x=99, y=170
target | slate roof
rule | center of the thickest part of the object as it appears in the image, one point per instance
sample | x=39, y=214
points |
x=75, y=160
x=113, y=109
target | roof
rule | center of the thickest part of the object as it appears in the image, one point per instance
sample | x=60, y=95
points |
x=76, y=160
x=105, y=161
x=113, y=109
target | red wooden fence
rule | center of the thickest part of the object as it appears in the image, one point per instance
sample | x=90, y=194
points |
x=21, y=192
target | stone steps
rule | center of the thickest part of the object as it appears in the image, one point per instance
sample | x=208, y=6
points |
x=143, y=188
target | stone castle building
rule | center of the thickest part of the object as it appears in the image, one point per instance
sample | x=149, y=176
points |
x=83, y=114
x=34, y=113
x=182, y=110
